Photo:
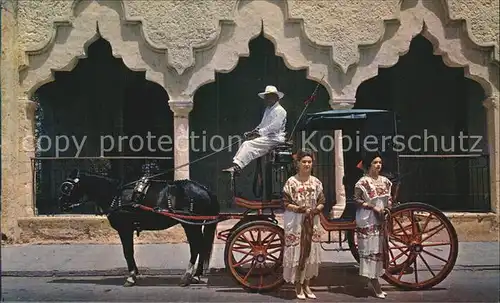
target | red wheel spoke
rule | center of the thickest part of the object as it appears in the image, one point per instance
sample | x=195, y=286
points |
x=259, y=237
x=416, y=271
x=268, y=236
x=433, y=255
x=403, y=270
x=248, y=273
x=401, y=227
x=275, y=250
x=251, y=234
x=426, y=223
x=413, y=224
x=395, y=231
x=400, y=255
x=442, y=226
x=392, y=256
x=393, y=237
x=273, y=258
x=397, y=247
x=242, y=246
x=241, y=262
x=278, y=245
x=242, y=251
x=248, y=241
x=436, y=244
x=427, y=265
x=270, y=241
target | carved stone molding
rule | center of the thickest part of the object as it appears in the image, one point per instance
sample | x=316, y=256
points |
x=477, y=19
x=491, y=102
x=72, y=37
x=342, y=103
x=270, y=18
x=449, y=38
x=172, y=29
x=181, y=108
x=181, y=45
x=29, y=107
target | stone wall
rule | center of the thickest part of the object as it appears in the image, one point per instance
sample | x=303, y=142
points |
x=180, y=44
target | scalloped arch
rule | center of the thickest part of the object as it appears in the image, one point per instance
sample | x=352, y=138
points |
x=287, y=35
x=477, y=61
x=71, y=39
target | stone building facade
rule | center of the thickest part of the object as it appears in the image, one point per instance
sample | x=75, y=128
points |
x=180, y=45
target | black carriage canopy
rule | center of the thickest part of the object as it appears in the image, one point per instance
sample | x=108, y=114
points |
x=368, y=122
x=346, y=119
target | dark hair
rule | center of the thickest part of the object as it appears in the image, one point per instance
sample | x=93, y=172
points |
x=304, y=152
x=368, y=158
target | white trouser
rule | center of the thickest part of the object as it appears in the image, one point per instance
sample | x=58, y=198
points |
x=255, y=148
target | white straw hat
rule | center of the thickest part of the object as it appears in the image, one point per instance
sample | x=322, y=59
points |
x=270, y=89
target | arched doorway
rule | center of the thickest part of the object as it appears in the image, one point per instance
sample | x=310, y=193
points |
x=225, y=109
x=101, y=109
x=444, y=159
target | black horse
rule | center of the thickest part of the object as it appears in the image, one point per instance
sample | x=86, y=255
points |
x=125, y=217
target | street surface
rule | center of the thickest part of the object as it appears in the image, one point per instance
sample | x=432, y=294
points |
x=461, y=286
x=95, y=273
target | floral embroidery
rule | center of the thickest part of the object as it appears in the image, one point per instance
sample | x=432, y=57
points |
x=316, y=237
x=367, y=232
x=292, y=239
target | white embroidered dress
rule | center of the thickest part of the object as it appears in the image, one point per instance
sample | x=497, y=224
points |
x=310, y=194
x=369, y=225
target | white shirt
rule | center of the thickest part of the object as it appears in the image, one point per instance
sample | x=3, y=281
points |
x=273, y=122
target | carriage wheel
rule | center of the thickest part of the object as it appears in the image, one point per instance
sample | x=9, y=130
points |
x=423, y=247
x=254, y=255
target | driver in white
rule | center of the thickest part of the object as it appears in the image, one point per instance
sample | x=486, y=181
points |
x=269, y=133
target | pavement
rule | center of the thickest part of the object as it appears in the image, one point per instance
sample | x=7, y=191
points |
x=96, y=273
x=87, y=259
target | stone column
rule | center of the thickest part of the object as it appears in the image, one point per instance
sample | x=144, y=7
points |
x=26, y=147
x=493, y=132
x=181, y=110
x=9, y=83
x=340, y=196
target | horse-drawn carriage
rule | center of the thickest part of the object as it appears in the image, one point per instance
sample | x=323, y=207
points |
x=253, y=254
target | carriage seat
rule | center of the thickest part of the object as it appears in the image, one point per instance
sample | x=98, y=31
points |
x=282, y=153
x=284, y=145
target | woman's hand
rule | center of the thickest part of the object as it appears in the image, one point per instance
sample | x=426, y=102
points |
x=378, y=210
x=301, y=209
x=366, y=206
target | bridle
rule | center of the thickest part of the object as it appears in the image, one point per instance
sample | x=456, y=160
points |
x=67, y=188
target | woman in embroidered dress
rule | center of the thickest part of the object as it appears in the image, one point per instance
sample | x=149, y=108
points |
x=303, y=200
x=372, y=193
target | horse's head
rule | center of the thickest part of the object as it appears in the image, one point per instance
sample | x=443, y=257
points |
x=71, y=191
x=98, y=190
